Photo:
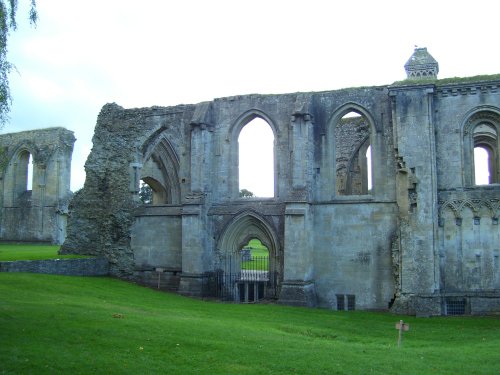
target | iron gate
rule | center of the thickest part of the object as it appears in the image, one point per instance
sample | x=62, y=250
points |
x=242, y=278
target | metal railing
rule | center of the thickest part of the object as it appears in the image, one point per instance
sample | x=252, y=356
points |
x=242, y=278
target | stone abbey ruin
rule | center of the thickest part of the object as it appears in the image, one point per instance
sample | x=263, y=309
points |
x=35, y=208
x=376, y=202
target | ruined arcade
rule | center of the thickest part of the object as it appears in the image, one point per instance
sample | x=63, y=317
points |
x=410, y=230
x=35, y=184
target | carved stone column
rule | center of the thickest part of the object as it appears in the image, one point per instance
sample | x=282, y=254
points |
x=194, y=222
x=298, y=282
x=301, y=152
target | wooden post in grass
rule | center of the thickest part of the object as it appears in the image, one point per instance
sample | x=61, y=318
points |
x=159, y=270
x=401, y=327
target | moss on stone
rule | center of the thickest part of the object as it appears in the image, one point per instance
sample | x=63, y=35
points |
x=447, y=81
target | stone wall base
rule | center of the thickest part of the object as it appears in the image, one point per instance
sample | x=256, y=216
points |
x=410, y=304
x=191, y=285
x=472, y=303
x=163, y=280
x=298, y=293
x=69, y=267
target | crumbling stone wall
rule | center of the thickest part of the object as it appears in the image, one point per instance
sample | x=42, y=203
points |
x=331, y=241
x=38, y=213
x=102, y=213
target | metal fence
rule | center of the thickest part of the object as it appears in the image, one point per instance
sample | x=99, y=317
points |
x=242, y=278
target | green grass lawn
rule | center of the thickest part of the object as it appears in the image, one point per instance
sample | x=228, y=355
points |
x=31, y=252
x=58, y=325
x=260, y=257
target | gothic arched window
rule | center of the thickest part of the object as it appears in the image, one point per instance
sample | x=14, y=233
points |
x=482, y=149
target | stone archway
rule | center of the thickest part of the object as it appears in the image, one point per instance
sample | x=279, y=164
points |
x=238, y=284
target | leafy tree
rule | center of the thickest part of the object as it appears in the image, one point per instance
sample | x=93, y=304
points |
x=146, y=194
x=8, y=10
x=244, y=193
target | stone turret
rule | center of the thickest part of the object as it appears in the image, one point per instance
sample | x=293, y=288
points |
x=421, y=65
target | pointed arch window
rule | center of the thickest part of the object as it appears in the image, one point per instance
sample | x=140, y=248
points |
x=29, y=176
x=482, y=149
x=485, y=153
x=159, y=176
x=24, y=173
x=353, y=154
x=256, y=159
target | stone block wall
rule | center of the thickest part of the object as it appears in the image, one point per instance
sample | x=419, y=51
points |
x=397, y=244
x=68, y=267
x=35, y=210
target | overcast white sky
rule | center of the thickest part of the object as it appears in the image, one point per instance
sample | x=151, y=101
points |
x=84, y=54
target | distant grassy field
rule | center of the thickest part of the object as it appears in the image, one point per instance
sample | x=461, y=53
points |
x=31, y=252
x=260, y=257
x=258, y=249
x=74, y=325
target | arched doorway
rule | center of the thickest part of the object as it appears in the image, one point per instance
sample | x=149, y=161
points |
x=248, y=262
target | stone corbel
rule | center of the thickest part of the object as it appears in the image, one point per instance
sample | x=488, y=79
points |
x=202, y=126
x=306, y=117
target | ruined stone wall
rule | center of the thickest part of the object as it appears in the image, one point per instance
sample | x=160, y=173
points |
x=447, y=222
x=103, y=211
x=468, y=231
x=330, y=241
x=37, y=212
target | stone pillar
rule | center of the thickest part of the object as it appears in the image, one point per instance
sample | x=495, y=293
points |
x=201, y=149
x=299, y=127
x=194, y=228
x=39, y=199
x=417, y=197
x=298, y=284
x=193, y=250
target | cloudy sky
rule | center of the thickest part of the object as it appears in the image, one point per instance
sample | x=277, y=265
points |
x=84, y=54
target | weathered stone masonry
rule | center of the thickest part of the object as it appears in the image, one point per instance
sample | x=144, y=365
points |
x=421, y=239
x=38, y=212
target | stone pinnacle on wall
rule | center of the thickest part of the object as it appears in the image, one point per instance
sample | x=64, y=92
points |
x=421, y=65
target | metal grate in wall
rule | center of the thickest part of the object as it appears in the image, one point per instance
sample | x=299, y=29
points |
x=351, y=302
x=340, y=302
x=346, y=302
x=455, y=306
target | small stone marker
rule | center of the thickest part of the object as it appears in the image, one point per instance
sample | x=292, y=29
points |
x=159, y=270
x=401, y=326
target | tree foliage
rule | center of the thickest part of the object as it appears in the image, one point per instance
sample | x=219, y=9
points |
x=244, y=193
x=146, y=194
x=8, y=10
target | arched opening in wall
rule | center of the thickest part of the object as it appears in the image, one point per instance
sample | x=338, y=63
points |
x=353, y=154
x=248, y=262
x=481, y=147
x=29, y=180
x=482, y=157
x=160, y=173
x=256, y=159
x=369, y=167
x=152, y=192
x=24, y=176
x=485, y=154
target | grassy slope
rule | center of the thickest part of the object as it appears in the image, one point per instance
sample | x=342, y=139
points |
x=31, y=252
x=57, y=324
